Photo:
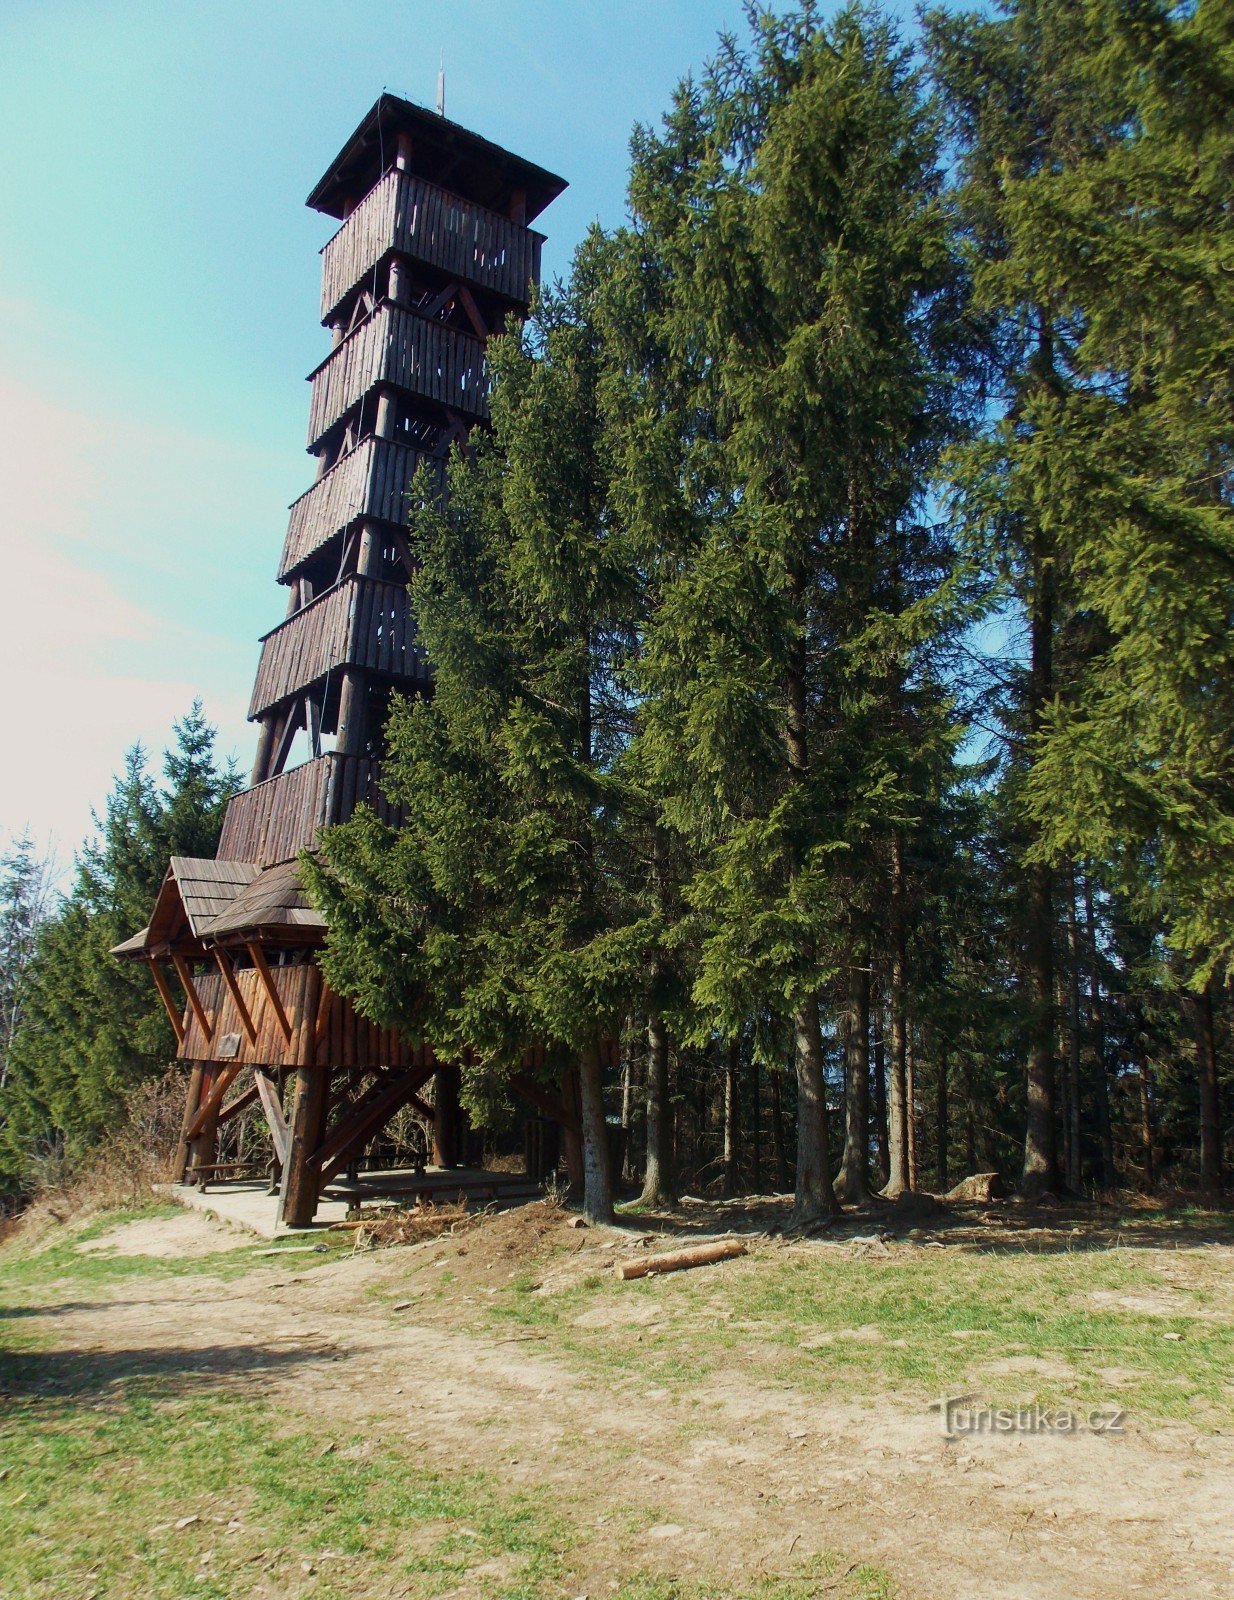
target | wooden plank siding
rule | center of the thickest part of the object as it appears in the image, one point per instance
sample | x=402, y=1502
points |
x=352, y=1042
x=418, y=219
x=398, y=348
x=275, y=820
x=360, y=622
x=371, y=480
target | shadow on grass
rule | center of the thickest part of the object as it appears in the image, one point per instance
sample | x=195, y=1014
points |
x=1065, y=1227
x=171, y=1371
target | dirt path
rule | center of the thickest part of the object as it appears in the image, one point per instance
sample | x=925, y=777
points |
x=742, y=1476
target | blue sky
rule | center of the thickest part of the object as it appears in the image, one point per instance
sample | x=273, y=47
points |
x=158, y=294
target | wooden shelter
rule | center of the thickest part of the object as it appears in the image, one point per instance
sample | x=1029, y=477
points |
x=433, y=253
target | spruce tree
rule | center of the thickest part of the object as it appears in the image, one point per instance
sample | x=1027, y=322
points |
x=508, y=902
x=93, y=1028
x=807, y=259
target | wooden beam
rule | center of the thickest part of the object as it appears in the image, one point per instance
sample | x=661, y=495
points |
x=194, y=999
x=241, y=1103
x=233, y=989
x=355, y=1132
x=258, y=957
x=473, y=311
x=401, y=544
x=169, y=1004
x=286, y=738
x=280, y=1133
x=214, y=1099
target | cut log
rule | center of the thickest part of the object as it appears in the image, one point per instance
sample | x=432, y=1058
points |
x=981, y=1186
x=701, y=1255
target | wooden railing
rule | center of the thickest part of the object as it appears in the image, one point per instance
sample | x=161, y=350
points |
x=418, y=219
x=370, y=481
x=275, y=820
x=402, y=349
x=361, y=622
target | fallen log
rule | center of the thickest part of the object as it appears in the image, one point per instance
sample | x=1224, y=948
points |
x=701, y=1255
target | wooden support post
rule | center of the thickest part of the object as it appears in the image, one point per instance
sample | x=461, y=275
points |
x=298, y=1192
x=169, y=1005
x=352, y=714
x=386, y=411
x=445, y=1114
x=265, y=748
x=368, y=560
x=194, y=999
x=258, y=957
x=192, y=1101
x=233, y=989
x=280, y=1133
x=203, y=1133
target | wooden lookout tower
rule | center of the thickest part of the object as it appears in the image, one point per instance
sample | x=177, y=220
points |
x=434, y=252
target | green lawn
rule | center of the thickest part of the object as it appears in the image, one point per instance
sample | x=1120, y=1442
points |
x=837, y=1324
x=129, y=1489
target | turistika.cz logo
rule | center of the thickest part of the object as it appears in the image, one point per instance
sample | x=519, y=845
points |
x=963, y=1415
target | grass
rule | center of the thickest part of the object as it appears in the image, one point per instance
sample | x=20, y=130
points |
x=152, y=1497
x=46, y=1261
x=98, y=1469
x=93, y=1496
x=920, y=1322
x=130, y=1488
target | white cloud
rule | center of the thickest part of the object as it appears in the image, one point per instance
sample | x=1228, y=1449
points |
x=96, y=651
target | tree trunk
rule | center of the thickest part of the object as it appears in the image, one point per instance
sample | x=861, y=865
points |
x=1040, y=1174
x=756, y=1131
x=597, y=1179
x=659, y=1185
x=852, y=1180
x=1201, y=1007
x=942, y=1120
x=814, y=1196
x=1096, y=1023
x=572, y=1136
x=448, y=1080
x=1146, y=1128
x=897, y=1086
x=783, y=1185
x=627, y=1094
x=730, y=1119
x=880, y=1101
x=910, y=1098
x=970, y=1119
x=1074, y=1149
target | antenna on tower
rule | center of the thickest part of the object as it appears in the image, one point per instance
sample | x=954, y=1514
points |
x=441, y=86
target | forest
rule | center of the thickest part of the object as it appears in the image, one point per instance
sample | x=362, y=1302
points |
x=833, y=670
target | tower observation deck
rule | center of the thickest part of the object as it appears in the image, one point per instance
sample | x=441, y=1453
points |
x=433, y=255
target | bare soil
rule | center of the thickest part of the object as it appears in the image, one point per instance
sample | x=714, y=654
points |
x=742, y=1475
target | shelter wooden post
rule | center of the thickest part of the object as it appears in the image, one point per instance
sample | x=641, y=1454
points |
x=204, y=1145
x=298, y=1200
x=192, y=1101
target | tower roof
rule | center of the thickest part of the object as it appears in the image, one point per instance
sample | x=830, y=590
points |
x=442, y=151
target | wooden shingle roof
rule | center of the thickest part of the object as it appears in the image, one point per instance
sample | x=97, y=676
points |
x=275, y=899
